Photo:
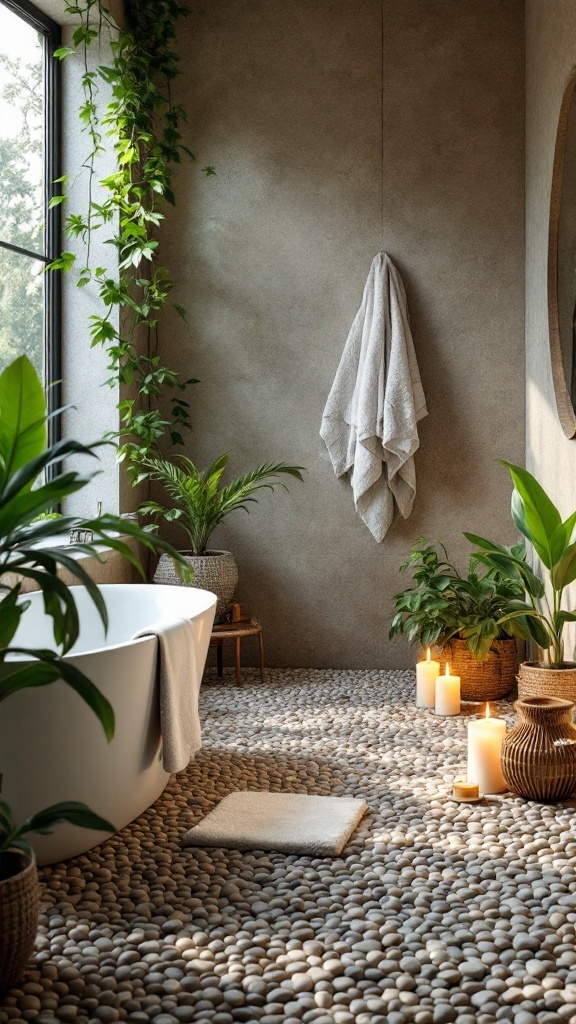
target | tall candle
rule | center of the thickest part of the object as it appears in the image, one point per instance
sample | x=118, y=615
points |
x=485, y=736
x=426, y=675
x=448, y=694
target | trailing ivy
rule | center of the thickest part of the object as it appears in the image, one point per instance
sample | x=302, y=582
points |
x=143, y=125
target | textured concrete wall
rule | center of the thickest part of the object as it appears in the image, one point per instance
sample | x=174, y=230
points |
x=550, y=57
x=330, y=145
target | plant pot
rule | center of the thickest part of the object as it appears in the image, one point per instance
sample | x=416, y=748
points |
x=539, y=753
x=215, y=571
x=538, y=680
x=486, y=680
x=19, y=912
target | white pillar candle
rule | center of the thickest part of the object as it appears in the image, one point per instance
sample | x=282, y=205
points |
x=485, y=736
x=426, y=675
x=448, y=694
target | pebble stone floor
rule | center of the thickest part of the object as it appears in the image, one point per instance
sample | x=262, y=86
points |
x=435, y=911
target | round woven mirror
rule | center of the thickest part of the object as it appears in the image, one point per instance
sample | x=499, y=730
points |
x=562, y=262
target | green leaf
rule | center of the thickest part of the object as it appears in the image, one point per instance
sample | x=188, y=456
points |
x=10, y=615
x=533, y=512
x=567, y=616
x=564, y=572
x=22, y=417
x=72, y=812
x=47, y=669
x=538, y=632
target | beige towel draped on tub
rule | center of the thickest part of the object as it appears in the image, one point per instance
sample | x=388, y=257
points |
x=179, y=688
x=369, y=423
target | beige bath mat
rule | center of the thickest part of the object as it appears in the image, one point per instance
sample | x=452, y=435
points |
x=290, y=822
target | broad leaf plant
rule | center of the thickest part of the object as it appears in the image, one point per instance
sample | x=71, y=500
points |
x=28, y=491
x=544, y=592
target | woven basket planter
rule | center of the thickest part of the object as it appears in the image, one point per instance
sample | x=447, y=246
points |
x=486, y=680
x=537, y=680
x=539, y=753
x=215, y=571
x=19, y=912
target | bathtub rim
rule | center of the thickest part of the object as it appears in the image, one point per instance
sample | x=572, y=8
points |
x=37, y=595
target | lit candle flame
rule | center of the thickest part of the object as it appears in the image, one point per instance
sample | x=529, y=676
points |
x=487, y=715
x=447, y=669
x=428, y=655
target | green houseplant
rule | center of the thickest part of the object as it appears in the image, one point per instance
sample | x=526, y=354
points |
x=465, y=616
x=198, y=504
x=541, y=610
x=142, y=125
x=28, y=490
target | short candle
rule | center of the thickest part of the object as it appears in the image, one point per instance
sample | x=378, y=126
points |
x=485, y=737
x=448, y=694
x=426, y=675
x=463, y=790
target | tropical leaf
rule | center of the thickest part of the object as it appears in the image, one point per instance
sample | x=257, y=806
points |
x=42, y=823
x=564, y=572
x=22, y=417
x=10, y=614
x=46, y=668
x=533, y=512
x=24, y=506
x=71, y=811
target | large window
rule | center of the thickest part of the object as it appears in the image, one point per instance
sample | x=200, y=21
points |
x=29, y=158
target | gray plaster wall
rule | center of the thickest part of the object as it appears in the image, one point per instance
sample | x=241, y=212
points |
x=338, y=129
x=550, y=57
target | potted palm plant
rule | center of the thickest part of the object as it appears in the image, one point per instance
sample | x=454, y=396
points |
x=28, y=490
x=542, y=607
x=465, y=616
x=198, y=504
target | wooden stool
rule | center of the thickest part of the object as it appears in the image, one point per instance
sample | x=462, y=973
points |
x=235, y=632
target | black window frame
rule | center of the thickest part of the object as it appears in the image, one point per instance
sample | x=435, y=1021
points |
x=52, y=217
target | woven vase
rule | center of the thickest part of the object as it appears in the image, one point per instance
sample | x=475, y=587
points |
x=486, y=680
x=539, y=753
x=215, y=571
x=19, y=912
x=537, y=680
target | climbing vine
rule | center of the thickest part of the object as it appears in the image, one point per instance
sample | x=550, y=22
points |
x=144, y=126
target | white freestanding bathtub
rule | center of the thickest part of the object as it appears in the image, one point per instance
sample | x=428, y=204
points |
x=52, y=746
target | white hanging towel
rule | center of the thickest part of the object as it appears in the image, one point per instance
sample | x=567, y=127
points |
x=369, y=423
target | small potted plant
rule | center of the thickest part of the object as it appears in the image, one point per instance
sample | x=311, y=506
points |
x=463, y=615
x=198, y=504
x=543, y=591
x=19, y=889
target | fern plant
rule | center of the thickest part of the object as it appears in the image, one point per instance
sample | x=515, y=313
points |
x=200, y=502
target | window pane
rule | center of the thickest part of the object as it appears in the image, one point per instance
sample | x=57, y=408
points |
x=21, y=309
x=21, y=132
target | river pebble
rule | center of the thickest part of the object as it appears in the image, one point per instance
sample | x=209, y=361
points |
x=434, y=913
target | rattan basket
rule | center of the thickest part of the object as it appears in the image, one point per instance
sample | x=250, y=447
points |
x=19, y=912
x=539, y=753
x=486, y=680
x=537, y=680
x=215, y=571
